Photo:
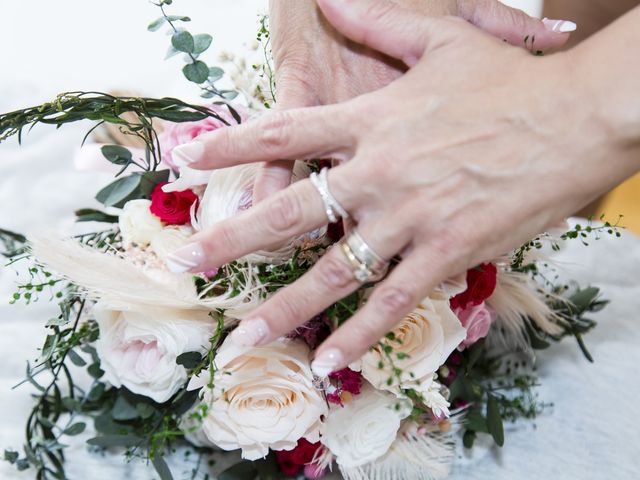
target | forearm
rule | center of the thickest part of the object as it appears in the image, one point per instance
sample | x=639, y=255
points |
x=607, y=65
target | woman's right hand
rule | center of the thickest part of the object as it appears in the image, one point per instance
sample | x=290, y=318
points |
x=316, y=65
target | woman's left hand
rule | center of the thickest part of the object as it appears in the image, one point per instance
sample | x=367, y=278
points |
x=471, y=153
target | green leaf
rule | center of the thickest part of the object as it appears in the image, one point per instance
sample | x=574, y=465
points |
x=116, y=154
x=145, y=410
x=171, y=52
x=116, y=193
x=583, y=298
x=95, y=371
x=97, y=391
x=201, y=42
x=123, y=410
x=76, y=359
x=494, y=420
x=476, y=422
x=11, y=456
x=75, y=429
x=215, y=74
x=115, y=441
x=469, y=438
x=189, y=360
x=91, y=215
x=135, y=186
x=179, y=115
x=229, y=94
x=157, y=23
x=239, y=471
x=197, y=72
x=57, y=322
x=183, y=41
x=161, y=467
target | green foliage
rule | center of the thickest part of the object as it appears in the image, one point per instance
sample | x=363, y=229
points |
x=14, y=244
x=104, y=108
x=192, y=46
x=135, y=186
x=266, y=68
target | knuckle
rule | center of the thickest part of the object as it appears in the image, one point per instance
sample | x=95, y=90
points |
x=274, y=132
x=335, y=274
x=289, y=311
x=395, y=300
x=284, y=213
x=369, y=332
x=225, y=238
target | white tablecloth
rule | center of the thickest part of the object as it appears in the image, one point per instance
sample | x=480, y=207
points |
x=592, y=432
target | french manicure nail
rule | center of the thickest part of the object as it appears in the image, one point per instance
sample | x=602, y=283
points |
x=185, y=259
x=327, y=362
x=187, y=153
x=559, y=26
x=250, y=332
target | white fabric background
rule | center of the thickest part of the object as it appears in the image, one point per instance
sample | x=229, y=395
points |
x=592, y=432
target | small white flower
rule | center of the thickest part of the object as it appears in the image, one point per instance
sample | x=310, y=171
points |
x=364, y=429
x=137, y=224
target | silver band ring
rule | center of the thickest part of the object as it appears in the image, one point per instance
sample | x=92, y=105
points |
x=332, y=207
x=367, y=265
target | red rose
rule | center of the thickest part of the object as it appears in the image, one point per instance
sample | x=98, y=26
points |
x=292, y=461
x=173, y=208
x=481, y=282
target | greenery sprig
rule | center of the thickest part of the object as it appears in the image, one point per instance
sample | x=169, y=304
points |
x=192, y=46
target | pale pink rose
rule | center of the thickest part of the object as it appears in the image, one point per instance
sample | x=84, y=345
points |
x=175, y=134
x=477, y=320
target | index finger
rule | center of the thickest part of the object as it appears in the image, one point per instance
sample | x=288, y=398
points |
x=315, y=132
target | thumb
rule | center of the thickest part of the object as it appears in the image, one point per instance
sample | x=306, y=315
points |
x=515, y=26
x=383, y=26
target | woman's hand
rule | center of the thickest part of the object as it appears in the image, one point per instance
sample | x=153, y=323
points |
x=317, y=65
x=475, y=150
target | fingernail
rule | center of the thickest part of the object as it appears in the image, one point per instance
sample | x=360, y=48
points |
x=186, y=258
x=559, y=26
x=250, y=333
x=327, y=362
x=187, y=153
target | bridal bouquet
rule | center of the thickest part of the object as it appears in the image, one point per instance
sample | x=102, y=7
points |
x=162, y=369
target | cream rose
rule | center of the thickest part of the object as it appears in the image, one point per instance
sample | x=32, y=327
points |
x=424, y=339
x=364, y=429
x=137, y=224
x=138, y=346
x=263, y=398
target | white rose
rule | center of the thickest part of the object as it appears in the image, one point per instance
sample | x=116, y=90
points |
x=138, y=346
x=424, y=339
x=263, y=398
x=364, y=429
x=170, y=239
x=137, y=224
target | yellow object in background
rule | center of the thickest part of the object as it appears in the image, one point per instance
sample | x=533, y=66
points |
x=624, y=200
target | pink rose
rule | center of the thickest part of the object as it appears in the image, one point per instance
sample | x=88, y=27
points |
x=476, y=319
x=175, y=134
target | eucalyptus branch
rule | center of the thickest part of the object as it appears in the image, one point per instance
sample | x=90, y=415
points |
x=104, y=108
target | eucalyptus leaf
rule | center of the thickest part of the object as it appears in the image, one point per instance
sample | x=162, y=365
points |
x=215, y=74
x=494, y=420
x=116, y=154
x=161, y=467
x=76, y=359
x=115, y=441
x=156, y=24
x=183, y=41
x=123, y=410
x=189, y=360
x=75, y=429
x=201, y=42
x=240, y=471
x=95, y=371
x=116, y=193
x=171, y=52
x=91, y=215
x=197, y=72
